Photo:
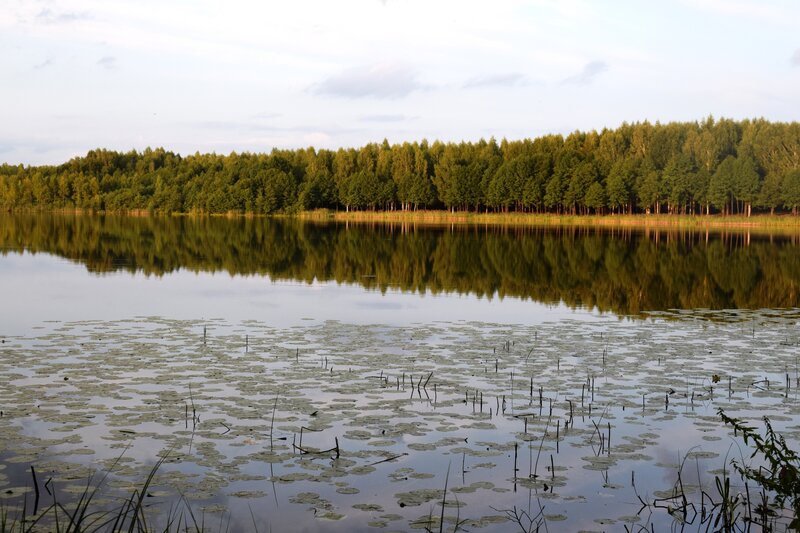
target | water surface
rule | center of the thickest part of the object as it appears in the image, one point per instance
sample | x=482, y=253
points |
x=622, y=271
x=335, y=378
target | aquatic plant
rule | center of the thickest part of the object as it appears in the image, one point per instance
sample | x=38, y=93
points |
x=261, y=425
x=87, y=515
x=780, y=475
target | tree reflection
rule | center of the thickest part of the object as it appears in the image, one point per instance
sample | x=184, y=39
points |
x=624, y=271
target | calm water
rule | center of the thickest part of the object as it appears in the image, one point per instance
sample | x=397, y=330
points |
x=244, y=350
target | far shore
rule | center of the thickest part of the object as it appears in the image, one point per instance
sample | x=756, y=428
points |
x=759, y=222
x=766, y=223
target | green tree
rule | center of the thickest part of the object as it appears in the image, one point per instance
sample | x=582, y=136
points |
x=699, y=189
x=619, y=185
x=596, y=197
x=459, y=180
x=503, y=188
x=276, y=191
x=566, y=162
x=318, y=190
x=677, y=176
x=771, y=192
x=734, y=166
x=791, y=190
x=344, y=168
x=746, y=182
x=649, y=189
x=720, y=187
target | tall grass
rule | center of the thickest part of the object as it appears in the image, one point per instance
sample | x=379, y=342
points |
x=770, y=223
x=777, y=476
x=87, y=515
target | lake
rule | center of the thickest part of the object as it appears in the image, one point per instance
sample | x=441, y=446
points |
x=287, y=375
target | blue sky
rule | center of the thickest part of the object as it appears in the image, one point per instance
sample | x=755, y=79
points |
x=201, y=75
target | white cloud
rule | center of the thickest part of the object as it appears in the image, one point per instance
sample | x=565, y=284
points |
x=316, y=138
x=48, y=16
x=44, y=64
x=589, y=72
x=383, y=118
x=382, y=80
x=266, y=115
x=107, y=62
x=510, y=79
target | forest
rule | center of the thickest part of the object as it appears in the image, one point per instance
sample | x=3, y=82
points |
x=624, y=271
x=725, y=166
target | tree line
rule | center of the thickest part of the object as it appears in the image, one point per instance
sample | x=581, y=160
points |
x=711, y=166
x=622, y=270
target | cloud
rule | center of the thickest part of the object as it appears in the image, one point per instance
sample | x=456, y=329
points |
x=257, y=128
x=47, y=16
x=222, y=125
x=382, y=80
x=21, y=148
x=509, y=79
x=796, y=58
x=107, y=62
x=44, y=64
x=590, y=71
x=316, y=137
x=266, y=115
x=382, y=118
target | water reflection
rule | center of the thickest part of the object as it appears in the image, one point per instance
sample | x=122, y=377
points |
x=625, y=271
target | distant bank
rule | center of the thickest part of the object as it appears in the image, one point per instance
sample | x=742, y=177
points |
x=783, y=223
x=724, y=167
x=778, y=223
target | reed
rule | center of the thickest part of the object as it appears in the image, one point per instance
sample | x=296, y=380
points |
x=765, y=222
x=87, y=515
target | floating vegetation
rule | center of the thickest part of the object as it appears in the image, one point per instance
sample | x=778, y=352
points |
x=588, y=423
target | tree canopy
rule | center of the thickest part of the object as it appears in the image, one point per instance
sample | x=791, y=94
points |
x=721, y=166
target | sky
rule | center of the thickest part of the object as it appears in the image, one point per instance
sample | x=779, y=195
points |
x=249, y=76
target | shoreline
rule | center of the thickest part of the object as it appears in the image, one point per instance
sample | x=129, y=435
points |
x=784, y=223
x=771, y=223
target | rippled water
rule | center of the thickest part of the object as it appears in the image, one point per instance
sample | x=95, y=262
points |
x=297, y=406
x=581, y=407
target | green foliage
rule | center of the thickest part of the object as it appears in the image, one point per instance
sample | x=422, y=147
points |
x=649, y=189
x=771, y=191
x=583, y=176
x=746, y=179
x=781, y=475
x=620, y=184
x=730, y=166
x=721, y=186
x=318, y=191
x=595, y=197
x=791, y=190
x=678, y=176
x=274, y=189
